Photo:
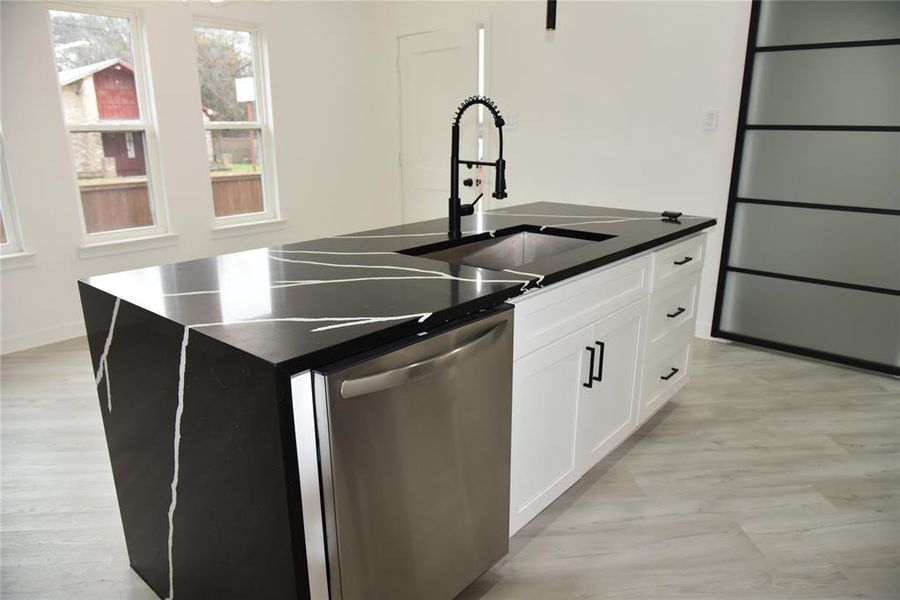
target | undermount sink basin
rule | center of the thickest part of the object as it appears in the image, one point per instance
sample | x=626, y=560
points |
x=510, y=249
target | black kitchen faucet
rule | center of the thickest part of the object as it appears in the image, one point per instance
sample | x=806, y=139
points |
x=457, y=209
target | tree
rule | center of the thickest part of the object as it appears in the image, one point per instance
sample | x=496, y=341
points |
x=81, y=39
x=223, y=56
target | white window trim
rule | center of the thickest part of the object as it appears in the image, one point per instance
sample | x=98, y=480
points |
x=147, y=125
x=263, y=124
x=14, y=245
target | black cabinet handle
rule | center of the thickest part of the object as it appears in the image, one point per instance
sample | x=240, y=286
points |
x=680, y=310
x=602, y=347
x=590, y=381
x=684, y=261
x=670, y=375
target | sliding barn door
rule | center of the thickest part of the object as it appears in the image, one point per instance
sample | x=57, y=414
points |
x=811, y=254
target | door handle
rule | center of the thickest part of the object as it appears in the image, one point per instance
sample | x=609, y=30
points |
x=590, y=381
x=684, y=261
x=602, y=347
x=467, y=182
x=420, y=369
x=680, y=310
x=670, y=375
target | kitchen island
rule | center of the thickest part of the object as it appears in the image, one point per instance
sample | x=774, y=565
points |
x=194, y=365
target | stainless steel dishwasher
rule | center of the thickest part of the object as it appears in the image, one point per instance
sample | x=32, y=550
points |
x=414, y=447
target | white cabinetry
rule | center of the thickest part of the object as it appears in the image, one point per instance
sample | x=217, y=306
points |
x=595, y=356
x=606, y=409
x=673, y=308
x=573, y=402
x=547, y=387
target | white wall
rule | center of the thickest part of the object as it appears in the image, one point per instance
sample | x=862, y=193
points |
x=610, y=113
x=327, y=65
x=611, y=106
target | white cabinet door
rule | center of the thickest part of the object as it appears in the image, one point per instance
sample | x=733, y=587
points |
x=546, y=387
x=607, y=411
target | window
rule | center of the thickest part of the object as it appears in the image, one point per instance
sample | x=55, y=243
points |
x=101, y=83
x=234, y=115
x=10, y=240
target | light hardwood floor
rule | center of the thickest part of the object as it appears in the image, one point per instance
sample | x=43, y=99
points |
x=767, y=477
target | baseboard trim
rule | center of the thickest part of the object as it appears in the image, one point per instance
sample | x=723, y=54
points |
x=40, y=337
x=703, y=329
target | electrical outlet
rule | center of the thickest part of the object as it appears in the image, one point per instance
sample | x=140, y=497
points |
x=512, y=120
x=711, y=119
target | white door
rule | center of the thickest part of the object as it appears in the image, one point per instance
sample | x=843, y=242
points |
x=438, y=69
x=547, y=385
x=607, y=409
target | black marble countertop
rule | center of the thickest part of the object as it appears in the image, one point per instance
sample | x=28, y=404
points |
x=303, y=305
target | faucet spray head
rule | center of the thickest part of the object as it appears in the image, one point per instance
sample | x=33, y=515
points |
x=500, y=180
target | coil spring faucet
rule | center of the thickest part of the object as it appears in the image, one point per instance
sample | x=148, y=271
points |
x=457, y=209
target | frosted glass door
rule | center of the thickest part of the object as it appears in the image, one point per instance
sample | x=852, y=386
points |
x=811, y=252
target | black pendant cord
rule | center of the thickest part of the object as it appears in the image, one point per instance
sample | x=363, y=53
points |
x=551, y=15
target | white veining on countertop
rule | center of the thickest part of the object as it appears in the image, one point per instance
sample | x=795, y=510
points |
x=354, y=266
x=436, y=274
x=537, y=282
x=103, y=366
x=621, y=220
x=428, y=274
x=179, y=411
x=302, y=282
x=289, y=283
x=422, y=318
x=342, y=321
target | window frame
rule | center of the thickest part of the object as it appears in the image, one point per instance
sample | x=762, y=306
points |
x=11, y=226
x=146, y=124
x=262, y=124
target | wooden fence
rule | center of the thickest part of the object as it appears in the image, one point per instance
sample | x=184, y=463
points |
x=237, y=194
x=110, y=206
x=124, y=205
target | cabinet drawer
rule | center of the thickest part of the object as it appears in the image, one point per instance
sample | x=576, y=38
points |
x=549, y=314
x=665, y=372
x=673, y=264
x=673, y=308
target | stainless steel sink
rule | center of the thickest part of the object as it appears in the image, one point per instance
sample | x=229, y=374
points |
x=511, y=250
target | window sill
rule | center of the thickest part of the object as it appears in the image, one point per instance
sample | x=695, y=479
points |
x=127, y=245
x=248, y=228
x=18, y=260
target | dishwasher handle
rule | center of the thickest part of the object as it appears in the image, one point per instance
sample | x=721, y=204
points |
x=420, y=369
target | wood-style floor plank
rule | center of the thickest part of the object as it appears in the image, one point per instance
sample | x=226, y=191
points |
x=768, y=477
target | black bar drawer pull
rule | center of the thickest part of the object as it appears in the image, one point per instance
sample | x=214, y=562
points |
x=684, y=261
x=670, y=375
x=680, y=310
x=599, y=376
x=590, y=381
